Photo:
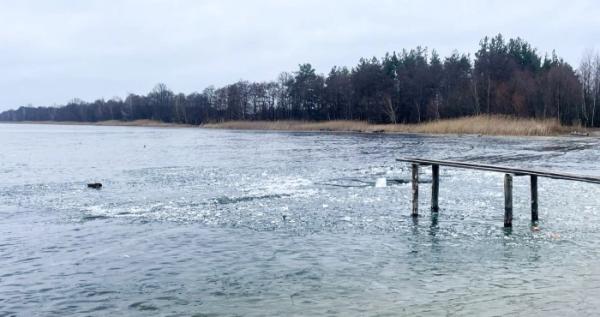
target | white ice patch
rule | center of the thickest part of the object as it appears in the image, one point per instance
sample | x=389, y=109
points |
x=284, y=186
x=381, y=182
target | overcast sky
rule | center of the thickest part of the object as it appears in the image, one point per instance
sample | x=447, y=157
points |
x=54, y=51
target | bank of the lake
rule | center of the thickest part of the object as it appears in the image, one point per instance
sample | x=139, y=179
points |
x=110, y=123
x=480, y=125
x=476, y=125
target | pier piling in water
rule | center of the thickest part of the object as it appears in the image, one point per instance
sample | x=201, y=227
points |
x=508, y=200
x=435, y=187
x=415, y=190
x=534, y=198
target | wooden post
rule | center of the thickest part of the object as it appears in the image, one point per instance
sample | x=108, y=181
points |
x=435, y=187
x=415, y=190
x=508, y=201
x=534, y=198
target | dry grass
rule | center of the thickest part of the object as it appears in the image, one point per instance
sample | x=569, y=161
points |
x=139, y=123
x=491, y=125
x=484, y=125
x=135, y=123
x=337, y=125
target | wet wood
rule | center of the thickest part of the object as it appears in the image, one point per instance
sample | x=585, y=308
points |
x=415, y=190
x=504, y=169
x=534, y=198
x=435, y=187
x=509, y=172
x=508, y=200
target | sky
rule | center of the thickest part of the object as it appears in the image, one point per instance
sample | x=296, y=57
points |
x=54, y=51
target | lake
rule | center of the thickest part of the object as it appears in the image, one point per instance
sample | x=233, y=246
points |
x=235, y=223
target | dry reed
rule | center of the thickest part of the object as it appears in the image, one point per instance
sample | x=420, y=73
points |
x=484, y=125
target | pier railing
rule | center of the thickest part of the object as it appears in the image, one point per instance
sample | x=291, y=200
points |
x=508, y=183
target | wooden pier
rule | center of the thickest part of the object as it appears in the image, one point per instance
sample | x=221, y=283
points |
x=509, y=172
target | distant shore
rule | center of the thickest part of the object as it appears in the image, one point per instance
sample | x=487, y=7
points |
x=115, y=123
x=476, y=125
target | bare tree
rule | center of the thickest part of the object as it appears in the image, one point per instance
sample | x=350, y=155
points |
x=585, y=73
x=389, y=109
x=595, y=87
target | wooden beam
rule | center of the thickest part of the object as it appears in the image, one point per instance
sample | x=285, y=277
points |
x=435, y=187
x=508, y=200
x=415, y=190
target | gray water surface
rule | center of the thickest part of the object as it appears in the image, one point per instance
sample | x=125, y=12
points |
x=225, y=223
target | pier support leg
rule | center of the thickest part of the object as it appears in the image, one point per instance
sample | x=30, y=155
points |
x=508, y=201
x=435, y=187
x=534, y=198
x=415, y=190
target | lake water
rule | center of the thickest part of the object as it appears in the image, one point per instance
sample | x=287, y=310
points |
x=224, y=223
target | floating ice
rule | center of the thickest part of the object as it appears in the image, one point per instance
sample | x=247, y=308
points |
x=381, y=182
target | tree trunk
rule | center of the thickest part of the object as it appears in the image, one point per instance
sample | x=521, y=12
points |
x=489, y=87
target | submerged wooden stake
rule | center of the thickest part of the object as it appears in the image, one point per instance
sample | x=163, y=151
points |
x=415, y=190
x=435, y=187
x=534, y=198
x=508, y=201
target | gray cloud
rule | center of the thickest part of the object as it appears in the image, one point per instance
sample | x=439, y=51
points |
x=52, y=51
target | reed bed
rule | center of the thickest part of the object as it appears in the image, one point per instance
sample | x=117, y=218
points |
x=481, y=125
x=134, y=123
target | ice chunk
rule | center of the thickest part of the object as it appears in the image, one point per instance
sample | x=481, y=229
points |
x=381, y=182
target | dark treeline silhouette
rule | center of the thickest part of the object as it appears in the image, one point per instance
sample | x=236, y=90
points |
x=504, y=77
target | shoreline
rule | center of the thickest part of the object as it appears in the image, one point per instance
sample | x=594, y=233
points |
x=109, y=123
x=478, y=125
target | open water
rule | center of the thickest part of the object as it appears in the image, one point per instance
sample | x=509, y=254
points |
x=195, y=222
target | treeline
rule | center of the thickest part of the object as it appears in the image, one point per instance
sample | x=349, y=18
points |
x=503, y=77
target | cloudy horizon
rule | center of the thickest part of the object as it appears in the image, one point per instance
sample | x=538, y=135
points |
x=54, y=52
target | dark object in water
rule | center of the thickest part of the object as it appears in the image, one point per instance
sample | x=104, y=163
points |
x=95, y=185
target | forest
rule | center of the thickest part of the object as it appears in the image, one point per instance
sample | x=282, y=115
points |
x=506, y=77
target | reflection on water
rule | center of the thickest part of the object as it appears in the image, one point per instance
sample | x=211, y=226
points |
x=223, y=223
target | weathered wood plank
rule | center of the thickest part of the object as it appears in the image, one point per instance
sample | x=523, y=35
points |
x=504, y=169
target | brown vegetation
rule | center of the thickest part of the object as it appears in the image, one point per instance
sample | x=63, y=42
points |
x=485, y=125
x=134, y=123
